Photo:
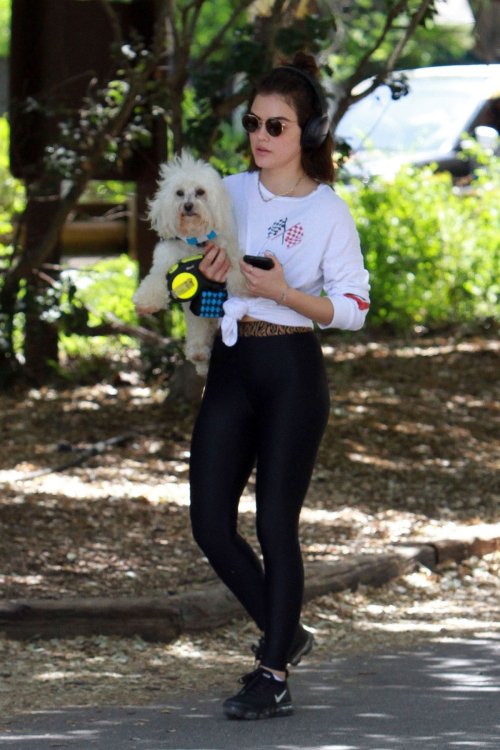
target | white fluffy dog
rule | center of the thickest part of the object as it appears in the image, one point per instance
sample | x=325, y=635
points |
x=191, y=202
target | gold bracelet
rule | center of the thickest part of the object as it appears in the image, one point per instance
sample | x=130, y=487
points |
x=283, y=296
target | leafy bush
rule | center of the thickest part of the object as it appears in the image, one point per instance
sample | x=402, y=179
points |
x=433, y=250
x=12, y=201
x=5, y=13
x=107, y=287
x=12, y=192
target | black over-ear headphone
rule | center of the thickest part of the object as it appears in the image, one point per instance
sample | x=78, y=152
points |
x=317, y=127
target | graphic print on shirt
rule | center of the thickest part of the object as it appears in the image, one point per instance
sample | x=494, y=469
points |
x=289, y=237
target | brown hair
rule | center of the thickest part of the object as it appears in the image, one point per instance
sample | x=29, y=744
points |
x=298, y=94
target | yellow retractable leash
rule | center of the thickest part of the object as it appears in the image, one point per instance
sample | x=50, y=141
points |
x=186, y=283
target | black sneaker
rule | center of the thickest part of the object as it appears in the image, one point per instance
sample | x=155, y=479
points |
x=302, y=644
x=262, y=697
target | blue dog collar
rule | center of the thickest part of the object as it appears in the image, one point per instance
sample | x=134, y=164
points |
x=198, y=240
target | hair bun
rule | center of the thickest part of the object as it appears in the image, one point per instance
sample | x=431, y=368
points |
x=304, y=62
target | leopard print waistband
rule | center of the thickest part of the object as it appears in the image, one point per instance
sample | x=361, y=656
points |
x=263, y=328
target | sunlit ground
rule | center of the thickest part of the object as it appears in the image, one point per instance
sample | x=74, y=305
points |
x=412, y=451
x=455, y=601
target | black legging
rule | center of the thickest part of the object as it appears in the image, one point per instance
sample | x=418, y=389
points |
x=266, y=398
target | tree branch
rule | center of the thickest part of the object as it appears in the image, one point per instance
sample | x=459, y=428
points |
x=27, y=262
x=379, y=79
x=416, y=18
x=117, y=33
x=114, y=21
x=278, y=14
x=171, y=36
x=228, y=105
x=218, y=37
x=192, y=25
x=357, y=76
x=115, y=327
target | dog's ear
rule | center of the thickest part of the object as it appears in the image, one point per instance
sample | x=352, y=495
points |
x=223, y=212
x=161, y=220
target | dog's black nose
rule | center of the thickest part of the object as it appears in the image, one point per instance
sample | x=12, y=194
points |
x=188, y=206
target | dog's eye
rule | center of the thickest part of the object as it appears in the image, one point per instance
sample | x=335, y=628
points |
x=200, y=191
x=180, y=193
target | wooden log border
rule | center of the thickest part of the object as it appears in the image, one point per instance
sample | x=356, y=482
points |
x=162, y=619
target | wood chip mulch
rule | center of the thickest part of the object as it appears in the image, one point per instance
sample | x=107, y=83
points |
x=411, y=451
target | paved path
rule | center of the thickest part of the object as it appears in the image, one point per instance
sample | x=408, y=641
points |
x=445, y=695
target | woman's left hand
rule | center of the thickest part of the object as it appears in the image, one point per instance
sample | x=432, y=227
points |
x=269, y=284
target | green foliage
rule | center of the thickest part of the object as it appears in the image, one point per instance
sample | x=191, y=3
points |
x=4, y=27
x=245, y=56
x=431, y=44
x=105, y=287
x=212, y=17
x=79, y=130
x=233, y=68
x=311, y=33
x=423, y=281
x=109, y=191
x=12, y=192
x=12, y=201
x=433, y=250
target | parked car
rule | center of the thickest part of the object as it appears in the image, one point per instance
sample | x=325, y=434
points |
x=427, y=124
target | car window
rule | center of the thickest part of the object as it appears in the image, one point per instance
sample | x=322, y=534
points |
x=430, y=117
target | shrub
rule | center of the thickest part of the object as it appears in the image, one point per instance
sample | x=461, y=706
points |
x=107, y=286
x=12, y=193
x=432, y=250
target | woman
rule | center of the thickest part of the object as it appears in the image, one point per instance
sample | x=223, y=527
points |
x=266, y=398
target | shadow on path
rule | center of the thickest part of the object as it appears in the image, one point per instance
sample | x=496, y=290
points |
x=444, y=696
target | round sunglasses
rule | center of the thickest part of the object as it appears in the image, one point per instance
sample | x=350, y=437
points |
x=273, y=126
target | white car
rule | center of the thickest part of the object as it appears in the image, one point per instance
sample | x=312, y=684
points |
x=426, y=125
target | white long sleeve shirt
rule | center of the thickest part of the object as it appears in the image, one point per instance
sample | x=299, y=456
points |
x=314, y=238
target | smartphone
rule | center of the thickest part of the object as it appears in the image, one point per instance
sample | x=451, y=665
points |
x=259, y=261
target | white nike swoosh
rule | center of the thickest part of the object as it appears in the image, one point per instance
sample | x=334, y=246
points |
x=280, y=697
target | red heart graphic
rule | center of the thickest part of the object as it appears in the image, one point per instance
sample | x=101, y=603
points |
x=294, y=235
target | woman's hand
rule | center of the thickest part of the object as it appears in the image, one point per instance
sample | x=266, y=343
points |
x=270, y=284
x=215, y=265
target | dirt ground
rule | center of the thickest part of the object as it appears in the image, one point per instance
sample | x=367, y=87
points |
x=411, y=450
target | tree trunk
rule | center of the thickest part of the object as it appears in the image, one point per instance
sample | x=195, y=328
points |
x=146, y=239
x=487, y=30
x=163, y=618
x=41, y=337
